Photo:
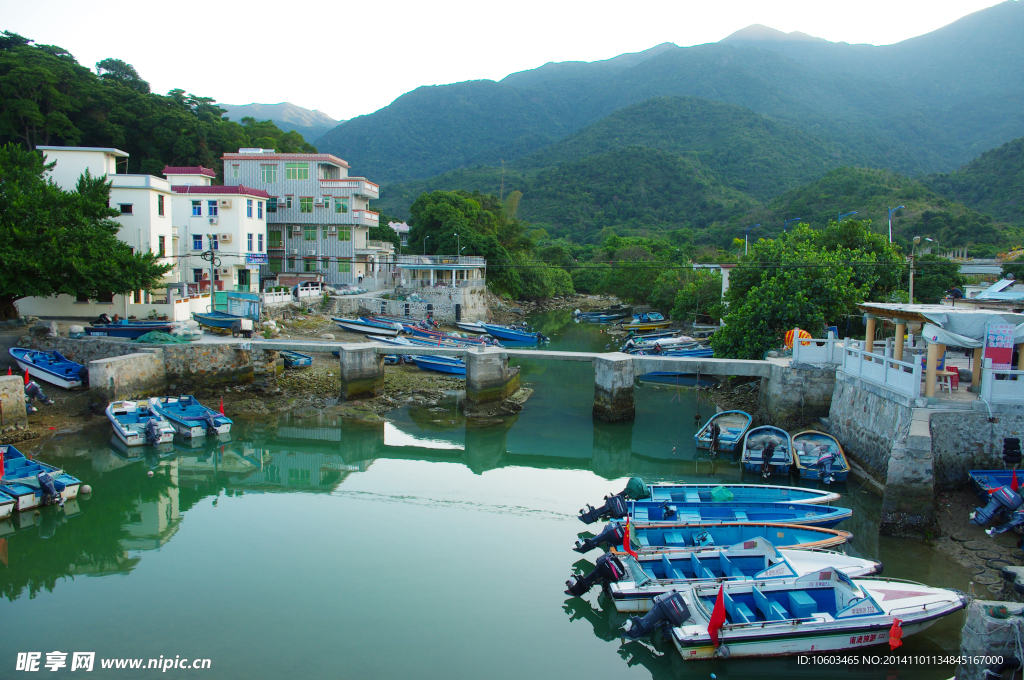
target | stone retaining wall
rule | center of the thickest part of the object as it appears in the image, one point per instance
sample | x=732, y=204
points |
x=12, y=404
x=131, y=376
x=794, y=395
x=963, y=441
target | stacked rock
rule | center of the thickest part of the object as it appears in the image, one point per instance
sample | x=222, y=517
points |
x=1011, y=451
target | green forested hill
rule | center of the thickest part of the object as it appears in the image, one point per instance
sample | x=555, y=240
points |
x=992, y=183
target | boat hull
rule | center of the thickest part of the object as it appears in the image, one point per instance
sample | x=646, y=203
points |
x=750, y=493
x=365, y=329
x=806, y=469
x=68, y=380
x=731, y=441
x=190, y=428
x=654, y=512
x=782, y=458
x=509, y=334
x=430, y=364
x=653, y=539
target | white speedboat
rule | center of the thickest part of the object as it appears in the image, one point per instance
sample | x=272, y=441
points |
x=137, y=423
x=189, y=418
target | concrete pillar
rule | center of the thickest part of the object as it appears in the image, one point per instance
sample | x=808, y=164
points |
x=489, y=378
x=976, y=367
x=869, y=334
x=362, y=373
x=138, y=375
x=930, y=368
x=901, y=330
x=613, y=389
x=12, y=403
x=1020, y=357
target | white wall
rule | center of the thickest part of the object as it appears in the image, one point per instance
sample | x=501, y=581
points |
x=72, y=164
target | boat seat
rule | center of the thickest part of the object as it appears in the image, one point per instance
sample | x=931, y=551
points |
x=670, y=570
x=737, y=612
x=699, y=570
x=674, y=538
x=770, y=609
x=642, y=539
x=801, y=604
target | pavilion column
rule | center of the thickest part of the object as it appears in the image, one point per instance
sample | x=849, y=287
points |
x=976, y=369
x=930, y=368
x=869, y=334
x=901, y=330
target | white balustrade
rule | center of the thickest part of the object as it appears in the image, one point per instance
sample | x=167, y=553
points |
x=815, y=351
x=899, y=376
x=1008, y=388
x=277, y=298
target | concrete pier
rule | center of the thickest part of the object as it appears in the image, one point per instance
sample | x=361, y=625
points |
x=613, y=387
x=489, y=378
x=12, y=404
x=362, y=372
x=142, y=374
x=990, y=630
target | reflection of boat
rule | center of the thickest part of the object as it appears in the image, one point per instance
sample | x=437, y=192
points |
x=683, y=538
x=137, y=423
x=49, y=366
x=441, y=364
x=732, y=426
x=296, y=359
x=189, y=418
x=366, y=326
x=27, y=481
x=46, y=522
x=821, y=612
x=133, y=454
x=757, y=441
x=806, y=459
x=786, y=513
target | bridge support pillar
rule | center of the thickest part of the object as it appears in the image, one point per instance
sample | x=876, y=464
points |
x=613, y=389
x=489, y=378
x=362, y=373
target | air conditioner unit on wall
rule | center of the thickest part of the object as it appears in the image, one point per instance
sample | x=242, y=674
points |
x=214, y=220
x=225, y=202
x=225, y=238
x=332, y=230
x=295, y=251
x=318, y=203
x=225, y=270
x=296, y=229
x=312, y=251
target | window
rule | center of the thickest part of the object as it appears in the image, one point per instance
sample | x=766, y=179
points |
x=341, y=205
x=160, y=205
x=275, y=264
x=272, y=204
x=105, y=297
x=268, y=174
x=126, y=208
x=325, y=264
x=248, y=207
x=259, y=241
x=306, y=204
x=211, y=208
x=291, y=264
x=309, y=233
x=215, y=245
x=250, y=242
x=327, y=202
x=345, y=233
x=275, y=240
x=243, y=277
x=287, y=201
x=197, y=208
x=197, y=275
x=234, y=171
x=309, y=265
x=344, y=266
x=197, y=241
x=82, y=297
x=296, y=170
x=259, y=210
x=160, y=252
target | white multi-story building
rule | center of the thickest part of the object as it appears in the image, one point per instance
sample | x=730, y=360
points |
x=144, y=203
x=317, y=216
x=230, y=220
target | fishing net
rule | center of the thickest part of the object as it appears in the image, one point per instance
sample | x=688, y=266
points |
x=636, y=489
x=720, y=494
x=161, y=338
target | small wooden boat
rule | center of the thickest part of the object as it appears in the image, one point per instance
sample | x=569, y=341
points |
x=447, y=365
x=368, y=326
x=697, y=352
x=137, y=423
x=660, y=512
x=732, y=425
x=296, y=359
x=754, y=444
x=824, y=611
x=648, y=321
x=31, y=483
x=189, y=418
x=684, y=538
x=512, y=333
x=238, y=325
x=806, y=453
x=126, y=329
x=51, y=367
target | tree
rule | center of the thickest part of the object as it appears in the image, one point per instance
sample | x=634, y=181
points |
x=117, y=71
x=56, y=242
x=933, y=276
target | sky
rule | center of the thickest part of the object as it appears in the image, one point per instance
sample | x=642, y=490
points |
x=350, y=58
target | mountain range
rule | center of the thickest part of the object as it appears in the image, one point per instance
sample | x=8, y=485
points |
x=287, y=116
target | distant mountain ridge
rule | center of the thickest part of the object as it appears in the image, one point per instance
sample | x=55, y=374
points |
x=310, y=124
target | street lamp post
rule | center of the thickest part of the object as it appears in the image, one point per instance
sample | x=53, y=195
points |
x=746, y=238
x=891, y=211
x=458, y=251
x=913, y=249
x=932, y=240
x=844, y=215
x=425, y=247
x=795, y=219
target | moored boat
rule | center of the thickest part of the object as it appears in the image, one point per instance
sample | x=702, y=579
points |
x=811, y=453
x=752, y=493
x=368, y=326
x=189, y=418
x=51, y=367
x=137, y=423
x=732, y=427
x=31, y=483
x=645, y=512
x=824, y=611
x=449, y=365
x=512, y=333
x=648, y=321
x=683, y=538
x=238, y=325
x=987, y=481
x=6, y=506
x=126, y=329
x=296, y=359
x=767, y=438
x=470, y=327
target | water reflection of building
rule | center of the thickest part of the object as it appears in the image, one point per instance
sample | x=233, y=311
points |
x=151, y=523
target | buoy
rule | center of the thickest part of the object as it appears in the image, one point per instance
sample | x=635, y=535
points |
x=85, y=488
x=149, y=474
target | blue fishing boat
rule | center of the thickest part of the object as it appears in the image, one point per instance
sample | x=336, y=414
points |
x=750, y=493
x=817, y=455
x=238, y=325
x=649, y=336
x=648, y=321
x=470, y=327
x=189, y=418
x=7, y=504
x=767, y=437
x=32, y=483
x=136, y=423
x=737, y=511
x=512, y=333
x=987, y=481
x=52, y=367
x=438, y=335
x=732, y=427
x=683, y=538
x=369, y=326
x=441, y=364
x=126, y=329
x=296, y=359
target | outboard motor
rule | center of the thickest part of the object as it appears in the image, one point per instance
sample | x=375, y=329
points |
x=613, y=534
x=103, y=319
x=83, y=375
x=1002, y=501
x=614, y=508
x=609, y=569
x=211, y=422
x=1016, y=520
x=33, y=391
x=668, y=610
x=152, y=431
x=825, y=460
x=50, y=493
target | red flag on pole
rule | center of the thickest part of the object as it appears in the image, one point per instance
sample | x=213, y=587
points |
x=895, y=634
x=625, y=540
x=717, y=616
x=222, y=405
x=26, y=376
x=1014, y=484
x=8, y=370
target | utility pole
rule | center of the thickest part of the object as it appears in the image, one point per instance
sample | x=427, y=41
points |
x=214, y=263
x=913, y=248
x=891, y=211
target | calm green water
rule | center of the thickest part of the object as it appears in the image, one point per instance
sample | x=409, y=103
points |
x=310, y=547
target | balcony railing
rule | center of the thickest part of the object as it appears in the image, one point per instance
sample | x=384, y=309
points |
x=366, y=217
x=360, y=186
x=458, y=283
x=464, y=260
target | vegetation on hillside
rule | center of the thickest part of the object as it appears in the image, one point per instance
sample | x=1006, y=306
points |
x=992, y=183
